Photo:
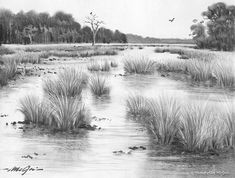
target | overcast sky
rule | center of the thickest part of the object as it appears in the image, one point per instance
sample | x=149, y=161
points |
x=142, y=17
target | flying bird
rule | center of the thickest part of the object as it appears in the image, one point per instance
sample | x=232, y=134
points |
x=202, y=21
x=171, y=20
x=91, y=13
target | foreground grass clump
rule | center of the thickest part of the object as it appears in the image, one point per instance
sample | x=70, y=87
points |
x=69, y=82
x=140, y=65
x=34, y=110
x=61, y=107
x=193, y=127
x=98, y=85
x=68, y=112
x=56, y=112
x=161, y=116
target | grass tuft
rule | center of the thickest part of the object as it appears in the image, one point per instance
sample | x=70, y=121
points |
x=140, y=65
x=98, y=85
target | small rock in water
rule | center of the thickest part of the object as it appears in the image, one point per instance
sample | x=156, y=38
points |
x=35, y=153
x=13, y=123
x=133, y=147
x=3, y=115
x=143, y=148
x=27, y=156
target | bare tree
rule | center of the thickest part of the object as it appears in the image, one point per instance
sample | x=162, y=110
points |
x=95, y=23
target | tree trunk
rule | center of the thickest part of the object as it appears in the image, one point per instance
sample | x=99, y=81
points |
x=93, y=41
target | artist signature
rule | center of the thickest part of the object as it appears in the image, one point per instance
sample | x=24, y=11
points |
x=23, y=170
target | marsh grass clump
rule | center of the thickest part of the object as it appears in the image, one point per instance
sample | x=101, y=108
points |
x=8, y=71
x=28, y=57
x=11, y=68
x=195, y=127
x=98, y=85
x=61, y=107
x=164, y=119
x=138, y=106
x=69, y=82
x=34, y=110
x=224, y=73
x=68, y=113
x=4, y=51
x=160, y=116
x=93, y=66
x=199, y=70
x=113, y=64
x=105, y=66
x=3, y=77
x=140, y=65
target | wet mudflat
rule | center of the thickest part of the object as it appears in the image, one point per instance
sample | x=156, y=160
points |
x=118, y=148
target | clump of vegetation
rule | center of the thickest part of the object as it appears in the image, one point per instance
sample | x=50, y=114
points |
x=27, y=57
x=193, y=127
x=4, y=50
x=203, y=66
x=61, y=107
x=224, y=73
x=98, y=85
x=34, y=110
x=3, y=77
x=99, y=52
x=105, y=66
x=8, y=71
x=199, y=70
x=140, y=65
x=113, y=64
x=68, y=112
x=69, y=82
x=137, y=106
x=93, y=66
x=161, y=116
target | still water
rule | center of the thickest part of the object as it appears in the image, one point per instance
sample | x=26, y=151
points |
x=90, y=153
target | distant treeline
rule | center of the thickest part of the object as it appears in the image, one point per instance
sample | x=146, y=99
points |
x=219, y=31
x=33, y=27
x=131, y=38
